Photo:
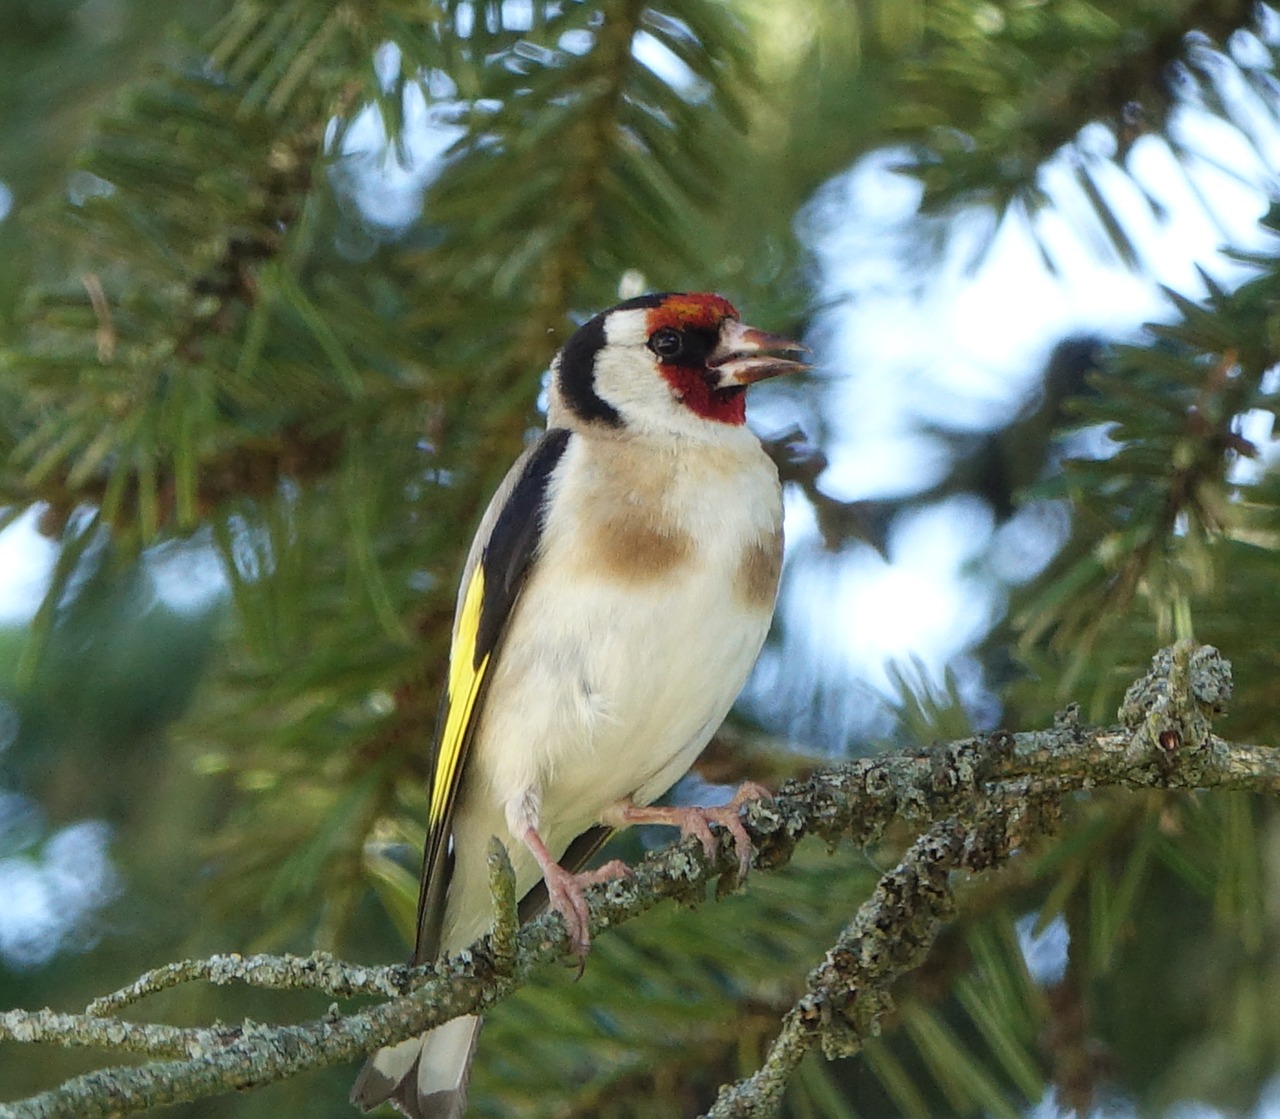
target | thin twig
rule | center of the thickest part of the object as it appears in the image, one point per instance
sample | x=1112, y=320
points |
x=105, y=1033
x=319, y=971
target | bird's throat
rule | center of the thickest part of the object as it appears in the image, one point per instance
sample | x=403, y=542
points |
x=690, y=387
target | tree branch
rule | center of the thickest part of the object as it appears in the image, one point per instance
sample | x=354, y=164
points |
x=319, y=971
x=848, y=992
x=977, y=800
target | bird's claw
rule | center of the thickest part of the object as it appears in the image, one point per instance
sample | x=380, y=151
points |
x=697, y=822
x=729, y=816
x=565, y=894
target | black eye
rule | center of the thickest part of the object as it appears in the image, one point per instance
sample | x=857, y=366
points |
x=666, y=343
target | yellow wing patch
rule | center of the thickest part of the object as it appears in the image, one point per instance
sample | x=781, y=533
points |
x=465, y=678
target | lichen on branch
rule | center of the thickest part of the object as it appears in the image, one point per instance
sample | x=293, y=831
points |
x=975, y=802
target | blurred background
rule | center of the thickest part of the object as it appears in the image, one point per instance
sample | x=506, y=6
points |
x=278, y=288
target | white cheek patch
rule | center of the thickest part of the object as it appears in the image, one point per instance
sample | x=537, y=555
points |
x=628, y=377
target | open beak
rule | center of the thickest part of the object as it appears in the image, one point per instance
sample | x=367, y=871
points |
x=746, y=355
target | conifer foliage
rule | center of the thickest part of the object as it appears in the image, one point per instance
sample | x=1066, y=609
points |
x=278, y=287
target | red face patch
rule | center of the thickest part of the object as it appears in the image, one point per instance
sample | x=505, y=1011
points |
x=696, y=318
x=690, y=387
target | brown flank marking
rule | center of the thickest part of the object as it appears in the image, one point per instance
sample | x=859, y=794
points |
x=634, y=549
x=756, y=582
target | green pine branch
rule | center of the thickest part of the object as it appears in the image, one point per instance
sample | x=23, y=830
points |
x=1163, y=512
x=998, y=90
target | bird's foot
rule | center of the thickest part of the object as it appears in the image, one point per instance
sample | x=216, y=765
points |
x=609, y=872
x=697, y=821
x=565, y=893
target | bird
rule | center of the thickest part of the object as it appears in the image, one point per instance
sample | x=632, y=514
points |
x=616, y=595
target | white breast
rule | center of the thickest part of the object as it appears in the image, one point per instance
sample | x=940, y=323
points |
x=628, y=646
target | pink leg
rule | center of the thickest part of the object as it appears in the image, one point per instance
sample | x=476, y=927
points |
x=564, y=891
x=697, y=821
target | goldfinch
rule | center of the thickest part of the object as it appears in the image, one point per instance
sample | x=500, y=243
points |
x=615, y=597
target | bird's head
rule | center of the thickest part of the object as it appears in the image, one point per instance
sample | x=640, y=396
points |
x=673, y=362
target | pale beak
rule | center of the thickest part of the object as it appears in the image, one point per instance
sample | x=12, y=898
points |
x=745, y=355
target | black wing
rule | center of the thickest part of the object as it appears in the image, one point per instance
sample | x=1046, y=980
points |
x=495, y=575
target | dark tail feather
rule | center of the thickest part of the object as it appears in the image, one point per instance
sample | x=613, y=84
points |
x=425, y=1077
